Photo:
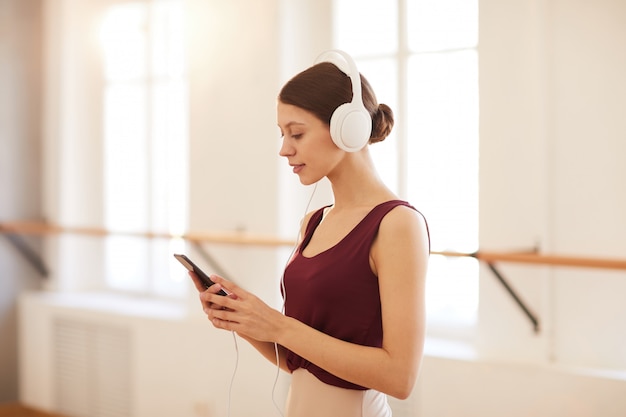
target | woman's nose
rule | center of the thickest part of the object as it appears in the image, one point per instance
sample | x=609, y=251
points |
x=286, y=149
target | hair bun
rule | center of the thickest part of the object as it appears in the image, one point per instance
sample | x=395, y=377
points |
x=382, y=123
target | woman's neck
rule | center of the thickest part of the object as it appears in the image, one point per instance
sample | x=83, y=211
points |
x=357, y=183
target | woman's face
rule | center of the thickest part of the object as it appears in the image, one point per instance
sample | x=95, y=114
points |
x=307, y=144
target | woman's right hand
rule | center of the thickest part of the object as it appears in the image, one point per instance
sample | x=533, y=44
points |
x=213, y=289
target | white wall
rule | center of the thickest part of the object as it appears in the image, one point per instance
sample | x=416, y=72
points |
x=176, y=366
x=20, y=162
x=171, y=365
x=481, y=388
x=233, y=71
x=72, y=139
x=589, y=200
x=553, y=137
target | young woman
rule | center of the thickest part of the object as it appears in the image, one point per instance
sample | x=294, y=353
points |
x=353, y=326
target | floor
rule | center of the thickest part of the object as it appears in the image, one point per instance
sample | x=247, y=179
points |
x=17, y=410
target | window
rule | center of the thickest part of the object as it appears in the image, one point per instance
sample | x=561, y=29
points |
x=421, y=58
x=145, y=143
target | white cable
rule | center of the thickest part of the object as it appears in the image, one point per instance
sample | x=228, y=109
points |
x=232, y=378
x=293, y=251
x=282, y=286
x=276, y=380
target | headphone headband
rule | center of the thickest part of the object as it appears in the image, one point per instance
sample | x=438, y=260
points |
x=346, y=65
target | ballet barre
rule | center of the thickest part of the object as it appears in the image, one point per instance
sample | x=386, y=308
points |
x=245, y=238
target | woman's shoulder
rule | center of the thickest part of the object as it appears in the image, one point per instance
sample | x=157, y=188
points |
x=403, y=220
x=400, y=212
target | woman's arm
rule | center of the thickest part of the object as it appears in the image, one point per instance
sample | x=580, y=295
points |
x=399, y=256
x=267, y=349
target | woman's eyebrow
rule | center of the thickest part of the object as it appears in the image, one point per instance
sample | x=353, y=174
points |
x=293, y=122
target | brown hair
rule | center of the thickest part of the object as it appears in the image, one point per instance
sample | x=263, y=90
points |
x=323, y=87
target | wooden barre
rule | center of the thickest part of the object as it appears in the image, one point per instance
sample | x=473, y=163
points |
x=242, y=238
x=235, y=238
x=541, y=259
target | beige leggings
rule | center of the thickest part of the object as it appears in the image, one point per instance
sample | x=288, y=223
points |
x=310, y=397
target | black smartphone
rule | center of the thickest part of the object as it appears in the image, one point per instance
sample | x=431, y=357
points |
x=187, y=263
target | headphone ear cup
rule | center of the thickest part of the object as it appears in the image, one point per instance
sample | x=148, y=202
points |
x=350, y=127
x=350, y=123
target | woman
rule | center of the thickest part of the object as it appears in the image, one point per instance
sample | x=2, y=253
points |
x=353, y=327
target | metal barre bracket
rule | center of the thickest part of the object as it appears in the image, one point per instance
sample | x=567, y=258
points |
x=33, y=258
x=520, y=303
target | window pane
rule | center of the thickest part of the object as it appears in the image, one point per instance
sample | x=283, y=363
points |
x=127, y=262
x=452, y=291
x=443, y=176
x=145, y=146
x=167, y=39
x=170, y=191
x=442, y=24
x=124, y=38
x=443, y=146
x=366, y=27
x=125, y=147
x=169, y=149
x=167, y=277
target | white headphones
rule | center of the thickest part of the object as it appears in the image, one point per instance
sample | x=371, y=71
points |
x=350, y=123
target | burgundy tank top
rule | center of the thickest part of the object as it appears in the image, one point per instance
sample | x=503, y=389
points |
x=336, y=291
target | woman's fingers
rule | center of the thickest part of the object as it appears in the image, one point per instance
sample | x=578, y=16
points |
x=199, y=284
x=229, y=286
x=238, y=311
x=212, y=300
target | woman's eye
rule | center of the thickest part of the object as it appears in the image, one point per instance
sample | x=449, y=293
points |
x=296, y=135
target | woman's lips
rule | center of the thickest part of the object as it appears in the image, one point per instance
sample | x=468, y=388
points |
x=297, y=168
